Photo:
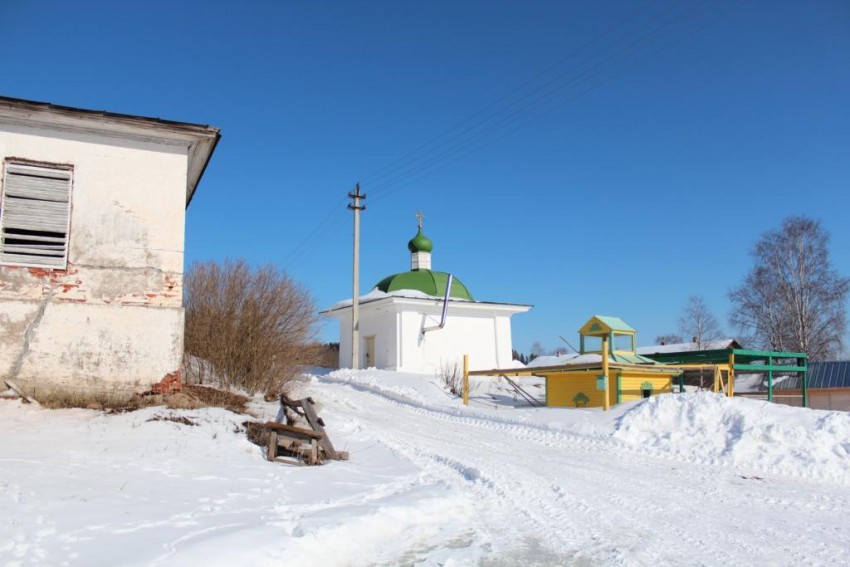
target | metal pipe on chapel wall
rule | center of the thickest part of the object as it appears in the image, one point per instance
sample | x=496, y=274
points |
x=445, y=307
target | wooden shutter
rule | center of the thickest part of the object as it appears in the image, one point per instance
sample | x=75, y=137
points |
x=34, y=215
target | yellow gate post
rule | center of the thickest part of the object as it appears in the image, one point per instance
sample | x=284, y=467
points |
x=466, y=379
x=731, y=385
x=606, y=404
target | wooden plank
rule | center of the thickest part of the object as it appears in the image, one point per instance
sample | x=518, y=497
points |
x=271, y=453
x=14, y=387
x=292, y=429
x=290, y=461
x=313, y=419
x=313, y=458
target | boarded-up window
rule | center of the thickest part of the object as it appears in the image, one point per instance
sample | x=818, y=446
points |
x=35, y=215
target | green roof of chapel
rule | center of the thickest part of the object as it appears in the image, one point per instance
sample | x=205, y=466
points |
x=426, y=281
x=420, y=243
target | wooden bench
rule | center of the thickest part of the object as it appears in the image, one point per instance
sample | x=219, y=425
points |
x=293, y=445
x=297, y=445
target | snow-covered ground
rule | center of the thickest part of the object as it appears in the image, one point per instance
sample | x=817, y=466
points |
x=674, y=480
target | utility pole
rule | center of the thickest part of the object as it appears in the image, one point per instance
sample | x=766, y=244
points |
x=355, y=297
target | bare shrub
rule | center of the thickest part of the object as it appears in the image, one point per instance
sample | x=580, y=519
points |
x=212, y=397
x=257, y=433
x=451, y=377
x=252, y=328
x=181, y=419
x=63, y=398
x=327, y=355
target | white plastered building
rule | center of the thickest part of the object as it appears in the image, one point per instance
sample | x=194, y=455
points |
x=400, y=321
x=92, y=217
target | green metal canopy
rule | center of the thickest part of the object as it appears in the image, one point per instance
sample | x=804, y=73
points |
x=745, y=360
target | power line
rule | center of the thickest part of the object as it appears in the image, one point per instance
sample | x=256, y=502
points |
x=378, y=174
x=556, y=87
x=418, y=175
x=312, y=238
x=416, y=164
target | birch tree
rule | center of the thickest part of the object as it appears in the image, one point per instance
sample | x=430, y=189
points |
x=793, y=299
x=698, y=322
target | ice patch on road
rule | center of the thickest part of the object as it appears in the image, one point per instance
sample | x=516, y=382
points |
x=753, y=434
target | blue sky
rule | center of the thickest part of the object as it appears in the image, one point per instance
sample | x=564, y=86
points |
x=645, y=180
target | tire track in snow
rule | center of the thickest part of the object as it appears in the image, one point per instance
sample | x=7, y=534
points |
x=545, y=500
x=559, y=438
x=538, y=506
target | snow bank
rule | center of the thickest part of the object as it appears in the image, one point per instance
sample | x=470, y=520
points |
x=711, y=428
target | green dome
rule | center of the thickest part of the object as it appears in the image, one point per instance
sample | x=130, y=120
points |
x=426, y=281
x=420, y=243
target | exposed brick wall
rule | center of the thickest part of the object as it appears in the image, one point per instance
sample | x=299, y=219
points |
x=139, y=287
x=172, y=383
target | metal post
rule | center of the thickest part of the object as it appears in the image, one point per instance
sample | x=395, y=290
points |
x=770, y=379
x=355, y=296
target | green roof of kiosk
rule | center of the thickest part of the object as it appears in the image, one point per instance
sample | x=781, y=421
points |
x=602, y=324
x=426, y=281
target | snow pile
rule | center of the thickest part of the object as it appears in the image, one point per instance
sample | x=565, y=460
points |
x=750, y=434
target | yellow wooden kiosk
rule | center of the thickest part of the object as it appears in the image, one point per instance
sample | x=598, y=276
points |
x=606, y=371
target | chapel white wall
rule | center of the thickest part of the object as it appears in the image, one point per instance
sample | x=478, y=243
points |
x=472, y=334
x=483, y=334
x=379, y=323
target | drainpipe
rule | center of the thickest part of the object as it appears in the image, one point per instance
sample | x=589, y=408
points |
x=445, y=308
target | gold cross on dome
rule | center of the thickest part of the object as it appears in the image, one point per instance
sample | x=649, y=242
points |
x=419, y=217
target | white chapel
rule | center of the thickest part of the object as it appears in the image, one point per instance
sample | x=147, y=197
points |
x=421, y=319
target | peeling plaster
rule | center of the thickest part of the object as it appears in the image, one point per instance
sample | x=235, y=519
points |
x=28, y=337
x=89, y=284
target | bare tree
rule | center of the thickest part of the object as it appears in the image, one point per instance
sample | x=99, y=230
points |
x=249, y=328
x=698, y=322
x=792, y=299
x=670, y=339
x=451, y=375
x=536, y=350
